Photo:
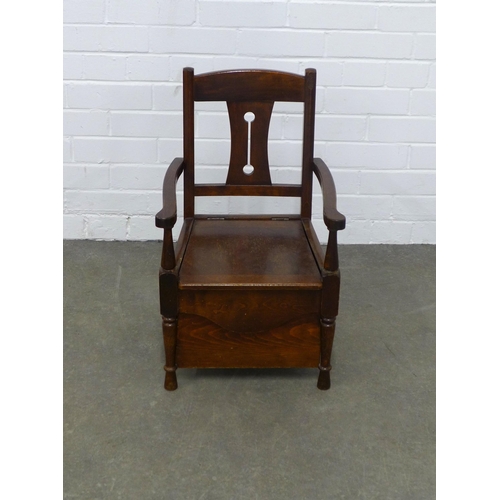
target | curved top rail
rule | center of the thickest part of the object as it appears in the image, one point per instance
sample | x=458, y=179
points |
x=249, y=85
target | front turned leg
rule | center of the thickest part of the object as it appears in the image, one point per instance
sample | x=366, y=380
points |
x=169, y=338
x=327, y=333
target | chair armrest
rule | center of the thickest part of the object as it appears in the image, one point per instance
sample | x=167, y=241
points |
x=167, y=216
x=333, y=219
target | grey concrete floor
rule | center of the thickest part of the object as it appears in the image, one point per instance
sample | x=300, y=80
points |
x=249, y=434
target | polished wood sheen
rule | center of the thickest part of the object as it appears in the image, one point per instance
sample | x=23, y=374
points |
x=249, y=254
x=251, y=310
x=249, y=85
x=258, y=190
x=203, y=344
x=253, y=291
x=259, y=129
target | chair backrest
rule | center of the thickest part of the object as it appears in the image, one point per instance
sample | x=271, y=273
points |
x=250, y=97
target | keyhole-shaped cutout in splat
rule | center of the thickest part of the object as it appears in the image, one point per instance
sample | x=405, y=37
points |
x=249, y=118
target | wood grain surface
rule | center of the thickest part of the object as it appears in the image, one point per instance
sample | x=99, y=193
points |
x=203, y=344
x=248, y=253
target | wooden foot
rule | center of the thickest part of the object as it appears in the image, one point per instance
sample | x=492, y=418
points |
x=326, y=343
x=170, y=379
x=169, y=339
x=324, y=378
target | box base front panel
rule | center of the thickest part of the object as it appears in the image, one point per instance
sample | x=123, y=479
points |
x=203, y=344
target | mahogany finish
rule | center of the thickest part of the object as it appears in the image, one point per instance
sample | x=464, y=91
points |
x=239, y=142
x=249, y=253
x=257, y=190
x=203, y=344
x=249, y=85
x=248, y=291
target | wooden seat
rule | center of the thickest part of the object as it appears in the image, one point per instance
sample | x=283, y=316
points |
x=248, y=291
x=248, y=253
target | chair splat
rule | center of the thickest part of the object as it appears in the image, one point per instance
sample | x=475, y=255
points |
x=249, y=143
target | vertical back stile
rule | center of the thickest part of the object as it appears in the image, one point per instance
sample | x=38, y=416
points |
x=188, y=107
x=308, y=144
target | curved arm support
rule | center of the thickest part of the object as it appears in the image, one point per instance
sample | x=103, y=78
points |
x=333, y=219
x=167, y=216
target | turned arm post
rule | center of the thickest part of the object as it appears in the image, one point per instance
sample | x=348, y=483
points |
x=168, y=253
x=332, y=255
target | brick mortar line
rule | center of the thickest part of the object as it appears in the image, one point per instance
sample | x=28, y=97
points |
x=177, y=84
x=160, y=113
x=277, y=58
x=180, y=192
x=334, y=168
x=280, y=29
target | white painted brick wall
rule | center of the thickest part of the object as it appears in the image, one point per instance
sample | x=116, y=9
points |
x=243, y=14
x=333, y=15
x=407, y=74
x=364, y=74
x=375, y=45
x=375, y=123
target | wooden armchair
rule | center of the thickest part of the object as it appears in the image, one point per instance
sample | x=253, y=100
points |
x=248, y=291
